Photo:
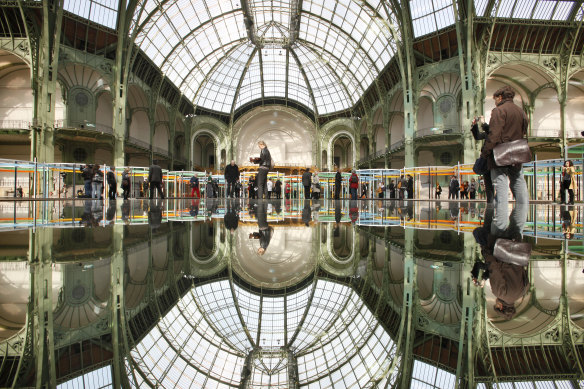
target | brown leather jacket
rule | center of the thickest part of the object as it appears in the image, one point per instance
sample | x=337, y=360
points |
x=508, y=123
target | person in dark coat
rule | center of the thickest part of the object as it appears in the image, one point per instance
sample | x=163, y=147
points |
x=251, y=187
x=231, y=177
x=392, y=189
x=509, y=279
x=410, y=187
x=112, y=185
x=306, y=182
x=126, y=183
x=338, y=183
x=155, y=179
x=508, y=123
x=480, y=135
x=265, y=162
x=87, y=174
x=278, y=189
x=453, y=188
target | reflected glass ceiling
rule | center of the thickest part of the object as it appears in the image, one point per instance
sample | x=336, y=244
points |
x=324, y=58
x=206, y=338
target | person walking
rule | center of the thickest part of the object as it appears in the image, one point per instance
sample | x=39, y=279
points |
x=278, y=189
x=287, y=190
x=306, y=182
x=380, y=189
x=353, y=184
x=472, y=189
x=410, y=187
x=251, y=187
x=315, y=186
x=155, y=179
x=508, y=123
x=112, y=185
x=453, y=188
x=338, y=183
x=194, y=181
x=126, y=183
x=464, y=190
x=231, y=176
x=87, y=174
x=402, y=186
x=270, y=187
x=438, y=190
x=568, y=182
x=265, y=162
x=96, y=183
x=488, y=183
x=392, y=189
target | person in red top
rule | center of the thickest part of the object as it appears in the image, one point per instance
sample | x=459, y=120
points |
x=287, y=190
x=353, y=184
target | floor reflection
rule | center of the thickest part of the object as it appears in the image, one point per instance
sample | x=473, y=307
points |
x=377, y=292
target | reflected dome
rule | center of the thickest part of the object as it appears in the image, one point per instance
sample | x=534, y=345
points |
x=290, y=257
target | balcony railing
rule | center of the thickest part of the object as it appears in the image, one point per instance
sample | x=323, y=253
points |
x=423, y=132
x=160, y=150
x=15, y=124
x=138, y=142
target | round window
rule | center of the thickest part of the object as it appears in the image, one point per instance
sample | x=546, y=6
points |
x=81, y=99
x=79, y=154
x=446, y=158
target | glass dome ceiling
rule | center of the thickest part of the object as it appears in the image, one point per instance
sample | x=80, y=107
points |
x=223, y=54
x=320, y=336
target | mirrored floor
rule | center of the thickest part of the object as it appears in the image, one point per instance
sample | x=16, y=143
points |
x=284, y=294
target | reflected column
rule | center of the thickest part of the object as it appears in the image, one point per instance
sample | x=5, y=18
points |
x=42, y=298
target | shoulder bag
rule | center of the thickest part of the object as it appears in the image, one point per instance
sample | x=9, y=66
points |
x=509, y=251
x=512, y=153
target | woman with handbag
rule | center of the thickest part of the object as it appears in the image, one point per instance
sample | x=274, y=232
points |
x=568, y=182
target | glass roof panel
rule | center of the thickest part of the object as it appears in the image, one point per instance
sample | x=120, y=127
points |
x=218, y=92
x=480, y=7
x=530, y=9
x=251, y=87
x=425, y=375
x=274, y=66
x=430, y=16
x=325, y=83
x=104, y=12
x=187, y=38
x=99, y=378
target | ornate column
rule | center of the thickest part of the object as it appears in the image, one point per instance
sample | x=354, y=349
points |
x=45, y=66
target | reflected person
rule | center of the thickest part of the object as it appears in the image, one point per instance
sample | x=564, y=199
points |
x=506, y=258
x=231, y=218
x=265, y=232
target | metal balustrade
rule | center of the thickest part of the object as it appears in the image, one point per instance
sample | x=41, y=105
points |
x=15, y=124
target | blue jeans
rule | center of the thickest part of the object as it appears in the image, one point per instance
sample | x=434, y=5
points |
x=353, y=193
x=509, y=177
x=96, y=189
x=87, y=184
